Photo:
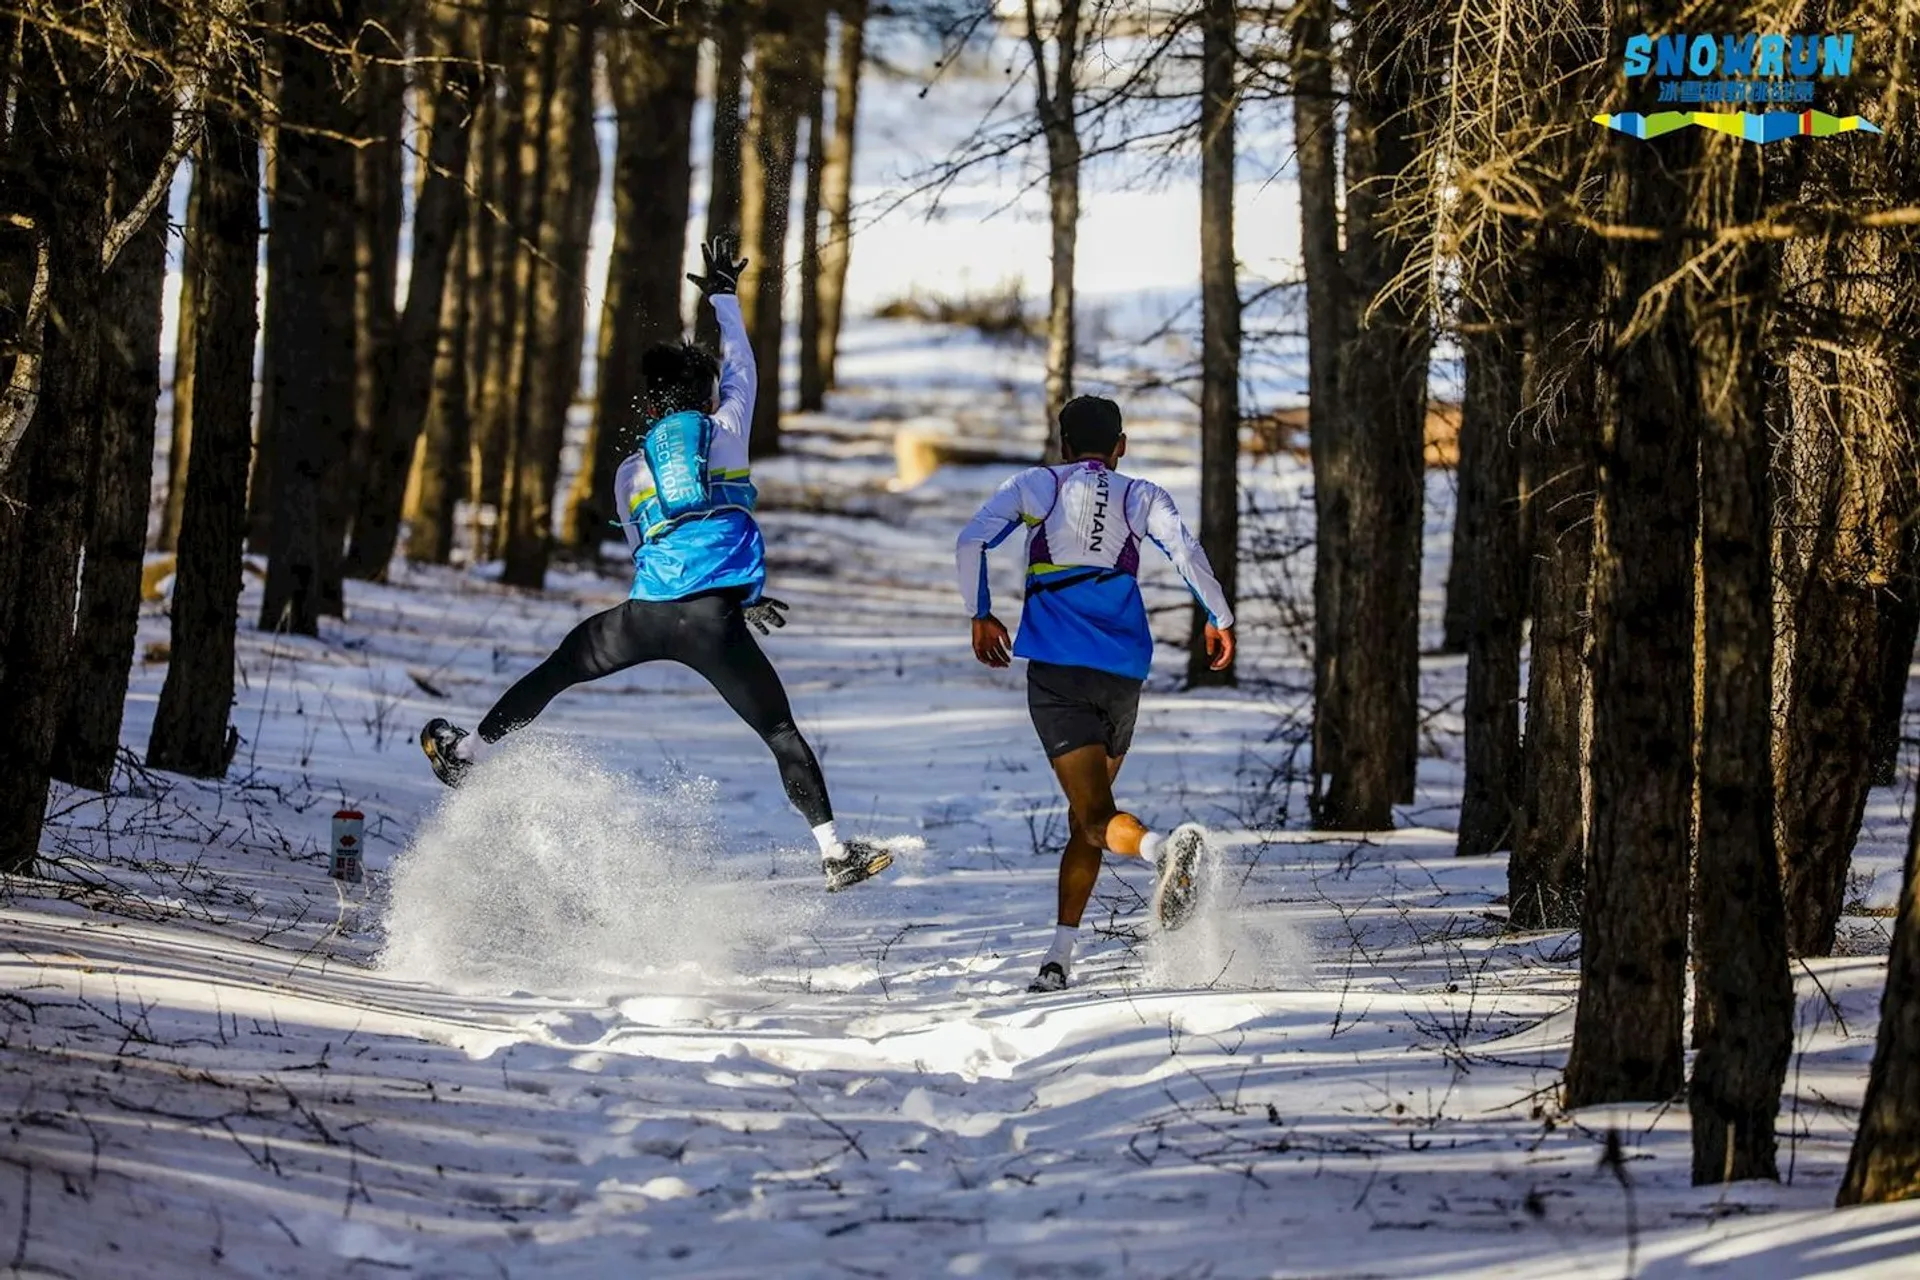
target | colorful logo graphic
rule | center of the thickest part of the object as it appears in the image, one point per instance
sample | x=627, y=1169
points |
x=1768, y=126
x=1738, y=69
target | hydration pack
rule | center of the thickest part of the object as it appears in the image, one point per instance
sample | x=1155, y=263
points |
x=677, y=451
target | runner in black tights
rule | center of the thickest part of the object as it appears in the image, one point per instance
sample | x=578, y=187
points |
x=707, y=632
x=686, y=505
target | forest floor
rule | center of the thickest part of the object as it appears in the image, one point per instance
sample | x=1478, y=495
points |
x=592, y=1015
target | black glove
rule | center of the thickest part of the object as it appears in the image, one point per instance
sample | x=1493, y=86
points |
x=767, y=614
x=721, y=273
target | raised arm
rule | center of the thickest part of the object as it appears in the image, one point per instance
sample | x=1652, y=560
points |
x=718, y=279
x=998, y=517
x=739, y=378
x=1171, y=535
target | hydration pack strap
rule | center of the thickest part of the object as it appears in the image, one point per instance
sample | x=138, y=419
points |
x=1061, y=583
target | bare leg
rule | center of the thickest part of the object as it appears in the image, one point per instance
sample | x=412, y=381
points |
x=1095, y=825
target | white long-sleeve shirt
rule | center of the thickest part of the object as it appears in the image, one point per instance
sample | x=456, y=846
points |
x=1084, y=526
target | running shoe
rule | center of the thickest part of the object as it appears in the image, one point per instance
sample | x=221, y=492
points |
x=1178, y=891
x=441, y=741
x=860, y=861
x=1052, y=977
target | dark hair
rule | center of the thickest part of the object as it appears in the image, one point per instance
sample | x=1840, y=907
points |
x=1089, y=425
x=679, y=376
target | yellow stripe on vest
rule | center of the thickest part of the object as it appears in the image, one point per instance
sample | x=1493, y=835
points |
x=639, y=498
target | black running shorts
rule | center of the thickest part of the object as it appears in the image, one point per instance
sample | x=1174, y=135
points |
x=1076, y=707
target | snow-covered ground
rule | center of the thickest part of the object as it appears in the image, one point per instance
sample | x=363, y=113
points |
x=593, y=1016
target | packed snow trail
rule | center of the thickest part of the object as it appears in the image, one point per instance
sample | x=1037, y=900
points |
x=583, y=1020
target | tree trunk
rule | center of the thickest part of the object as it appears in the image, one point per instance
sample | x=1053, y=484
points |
x=380, y=102
x=1842, y=469
x=441, y=468
x=725, y=174
x=180, y=437
x=1456, y=618
x=1378, y=642
x=1056, y=100
x=566, y=180
x=1743, y=992
x=1899, y=632
x=1063, y=212
x=10, y=33
x=1546, y=873
x=409, y=369
x=1885, y=1161
x=1825, y=761
x=836, y=182
x=190, y=727
x=1219, y=331
x=1490, y=512
x=786, y=73
x=499, y=273
x=121, y=469
x=311, y=299
x=61, y=126
x=1633, y=938
x=813, y=378
x=261, y=488
x=1315, y=138
x=652, y=71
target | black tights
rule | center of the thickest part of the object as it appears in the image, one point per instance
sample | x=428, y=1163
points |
x=706, y=632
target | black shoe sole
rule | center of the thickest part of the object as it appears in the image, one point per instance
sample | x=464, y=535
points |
x=448, y=771
x=1174, y=903
x=838, y=880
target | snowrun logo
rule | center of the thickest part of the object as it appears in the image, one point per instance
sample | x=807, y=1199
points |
x=1726, y=69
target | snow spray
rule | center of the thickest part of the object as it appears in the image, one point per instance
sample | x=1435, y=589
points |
x=1219, y=946
x=349, y=832
x=546, y=871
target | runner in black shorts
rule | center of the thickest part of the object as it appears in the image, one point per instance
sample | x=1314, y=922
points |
x=1076, y=707
x=1083, y=630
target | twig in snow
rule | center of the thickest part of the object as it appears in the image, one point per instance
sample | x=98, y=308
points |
x=1613, y=1159
x=26, y=1218
x=850, y=1138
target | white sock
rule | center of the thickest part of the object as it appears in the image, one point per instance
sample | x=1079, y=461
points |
x=829, y=838
x=468, y=748
x=1061, y=952
x=1150, y=847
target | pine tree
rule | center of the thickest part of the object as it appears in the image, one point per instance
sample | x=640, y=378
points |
x=552, y=329
x=1384, y=421
x=408, y=369
x=786, y=75
x=310, y=319
x=190, y=727
x=180, y=439
x=1056, y=104
x=1489, y=509
x=652, y=71
x=1743, y=1011
x=725, y=165
x=59, y=161
x=1219, y=329
x=1328, y=327
x=836, y=182
x=1627, y=1029
x=120, y=469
